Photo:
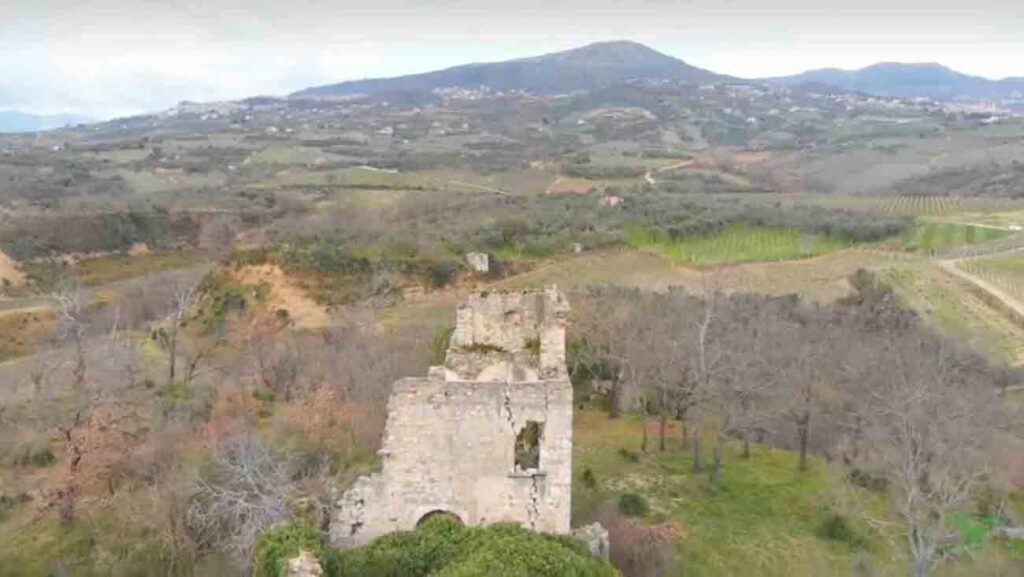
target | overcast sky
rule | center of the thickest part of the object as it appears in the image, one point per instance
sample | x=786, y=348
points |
x=114, y=57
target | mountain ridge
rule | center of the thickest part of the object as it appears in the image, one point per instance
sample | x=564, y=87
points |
x=587, y=67
x=908, y=80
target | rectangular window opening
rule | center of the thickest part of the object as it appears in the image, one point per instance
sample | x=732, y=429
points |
x=528, y=447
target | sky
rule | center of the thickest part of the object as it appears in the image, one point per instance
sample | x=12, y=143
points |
x=107, y=58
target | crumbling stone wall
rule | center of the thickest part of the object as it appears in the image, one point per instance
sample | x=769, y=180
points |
x=487, y=437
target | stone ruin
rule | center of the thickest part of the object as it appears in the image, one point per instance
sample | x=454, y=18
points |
x=486, y=437
x=479, y=261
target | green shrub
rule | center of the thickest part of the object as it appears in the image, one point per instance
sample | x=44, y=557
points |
x=33, y=453
x=439, y=345
x=275, y=547
x=482, y=348
x=264, y=395
x=442, y=547
x=628, y=455
x=866, y=480
x=838, y=528
x=508, y=550
x=532, y=346
x=588, y=478
x=633, y=505
x=406, y=553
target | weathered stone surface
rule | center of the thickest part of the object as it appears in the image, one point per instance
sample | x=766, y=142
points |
x=450, y=443
x=596, y=538
x=479, y=261
x=304, y=565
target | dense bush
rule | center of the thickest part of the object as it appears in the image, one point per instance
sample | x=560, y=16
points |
x=32, y=237
x=837, y=527
x=275, y=547
x=602, y=171
x=444, y=548
x=633, y=505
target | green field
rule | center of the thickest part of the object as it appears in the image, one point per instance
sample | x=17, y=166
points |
x=738, y=244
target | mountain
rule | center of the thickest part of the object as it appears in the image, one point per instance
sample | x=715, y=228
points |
x=910, y=80
x=587, y=68
x=15, y=121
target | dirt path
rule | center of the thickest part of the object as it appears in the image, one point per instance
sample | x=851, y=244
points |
x=977, y=224
x=682, y=163
x=480, y=187
x=1012, y=305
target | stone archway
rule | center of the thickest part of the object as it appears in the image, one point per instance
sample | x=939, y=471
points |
x=438, y=513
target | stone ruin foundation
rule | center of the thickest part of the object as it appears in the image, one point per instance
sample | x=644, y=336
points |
x=487, y=437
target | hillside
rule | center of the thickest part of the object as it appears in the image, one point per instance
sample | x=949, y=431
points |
x=928, y=80
x=586, y=68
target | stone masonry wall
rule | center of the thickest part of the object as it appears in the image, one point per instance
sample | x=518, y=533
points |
x=450, y=439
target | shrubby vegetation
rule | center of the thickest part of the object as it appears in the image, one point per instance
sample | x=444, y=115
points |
x=32, y=237
x=441, y=547
x=355, y=251
x=602, y=171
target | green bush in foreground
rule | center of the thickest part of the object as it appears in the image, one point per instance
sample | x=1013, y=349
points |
x=275, y=547
x=441, y=547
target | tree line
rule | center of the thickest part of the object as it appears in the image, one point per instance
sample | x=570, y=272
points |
x=864, y=384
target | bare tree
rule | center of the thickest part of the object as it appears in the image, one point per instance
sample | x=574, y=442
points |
x=244, y=493
x=604, y=321
x=183, y=295
x=931, y=416
x=72, y=324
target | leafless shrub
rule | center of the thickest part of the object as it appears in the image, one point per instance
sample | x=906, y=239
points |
x=639, y=549
x=245, y=491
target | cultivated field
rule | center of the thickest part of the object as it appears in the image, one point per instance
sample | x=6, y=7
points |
x=738, y=244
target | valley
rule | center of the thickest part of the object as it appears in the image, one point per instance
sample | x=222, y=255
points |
x=264, y=270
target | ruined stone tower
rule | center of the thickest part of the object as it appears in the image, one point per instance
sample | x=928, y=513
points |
x=486, y=437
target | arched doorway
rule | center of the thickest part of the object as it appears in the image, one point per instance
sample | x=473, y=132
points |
x=438, y=514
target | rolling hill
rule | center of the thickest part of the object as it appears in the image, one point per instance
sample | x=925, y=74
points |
x=586, y=68
x=928, y=80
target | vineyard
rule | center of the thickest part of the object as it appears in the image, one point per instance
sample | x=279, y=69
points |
x=738, y=244
x=1005, y=271
x=931, y=238
x=917, y=205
